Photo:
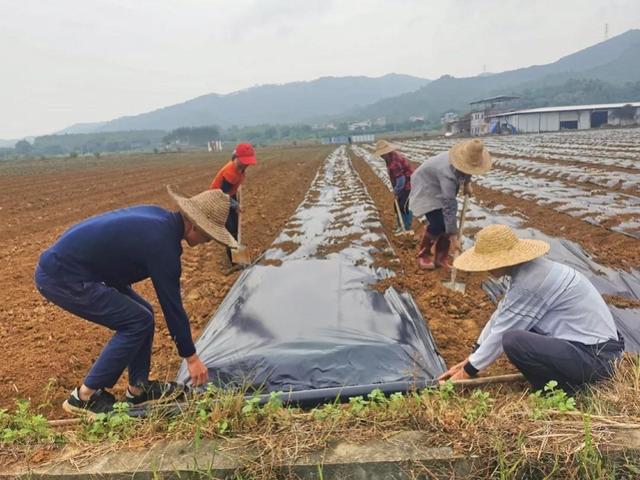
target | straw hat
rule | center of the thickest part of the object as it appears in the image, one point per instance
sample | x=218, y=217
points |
x=470, y=157
x=208, y=211
x=383, y=147
x=496, y=247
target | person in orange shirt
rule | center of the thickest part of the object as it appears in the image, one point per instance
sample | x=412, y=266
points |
x=229, y=179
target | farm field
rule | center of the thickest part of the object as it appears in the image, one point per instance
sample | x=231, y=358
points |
x=591, y=176
x=50, y=349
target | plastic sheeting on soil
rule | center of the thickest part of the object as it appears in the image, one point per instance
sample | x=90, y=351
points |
x=619, y=148
x=312, y=325
x=618, y=210
x=608, y=281
x=337, y=218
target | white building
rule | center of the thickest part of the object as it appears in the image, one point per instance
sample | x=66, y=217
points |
x=478, y=125
x=575, y=117
x=380, y=122
x=359, y=126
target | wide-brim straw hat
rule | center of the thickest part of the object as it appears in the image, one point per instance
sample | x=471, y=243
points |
x=496, y=247
x=207, y=211
x=383, y=147
x=470, y=157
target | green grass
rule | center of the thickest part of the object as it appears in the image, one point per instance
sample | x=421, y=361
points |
x=508, y=433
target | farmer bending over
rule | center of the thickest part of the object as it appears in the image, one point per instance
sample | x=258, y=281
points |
x=400, y=175
x=89, y=272
x=229, y=178
x=435, y=187
x=552, y=323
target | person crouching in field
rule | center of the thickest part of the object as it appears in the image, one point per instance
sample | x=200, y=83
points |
x=400, y=175
x=435, y=186
x=89, y=272
x=228, y=179
x=551, y=323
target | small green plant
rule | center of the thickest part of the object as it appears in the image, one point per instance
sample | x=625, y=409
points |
x=446, y=390
x=397, y=401
x=24, y=426
x=478, y=405
x=357, y=404
x=252, y=405
x=551, y=398
x=274, y=404
x=589, y=459
x=328, y=410
x=377, y=398
x=506, y=469
x=115, y=425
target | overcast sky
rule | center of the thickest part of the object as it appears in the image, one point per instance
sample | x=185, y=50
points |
x=70, y=61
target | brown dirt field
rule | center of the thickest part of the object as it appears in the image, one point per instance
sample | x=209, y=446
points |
x=455, y=320
x=47, y=351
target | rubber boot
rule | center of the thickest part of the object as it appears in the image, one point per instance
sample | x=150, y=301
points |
x=425, y=259
x=443, y=245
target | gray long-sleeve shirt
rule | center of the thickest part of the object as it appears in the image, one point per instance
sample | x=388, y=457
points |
x=434, y=185
x=554, y=300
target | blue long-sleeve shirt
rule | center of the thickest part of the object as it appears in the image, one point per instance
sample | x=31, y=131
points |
x=123, y=247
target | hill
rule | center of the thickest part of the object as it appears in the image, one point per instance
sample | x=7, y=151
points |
x=276, y=104
x=616, y=61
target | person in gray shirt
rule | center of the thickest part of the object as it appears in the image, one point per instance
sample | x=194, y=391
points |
x=435, y=186
x=551, y=323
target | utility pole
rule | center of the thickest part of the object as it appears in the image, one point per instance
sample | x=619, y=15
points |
x=606, y=31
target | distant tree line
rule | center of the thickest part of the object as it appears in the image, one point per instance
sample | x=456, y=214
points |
x=571, y=92
x=89, y=143
x=195, y=136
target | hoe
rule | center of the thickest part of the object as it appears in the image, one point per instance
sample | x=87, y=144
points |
x=241, y=254
x=452, y=284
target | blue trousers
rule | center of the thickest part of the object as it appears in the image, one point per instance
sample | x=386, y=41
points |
x=572, y=364
x=405, y=213
x=119, y=309
x=435, y=222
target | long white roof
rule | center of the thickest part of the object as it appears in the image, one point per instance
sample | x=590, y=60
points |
x=569, y=108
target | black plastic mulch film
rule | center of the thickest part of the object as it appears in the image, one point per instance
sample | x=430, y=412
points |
x=315, y=329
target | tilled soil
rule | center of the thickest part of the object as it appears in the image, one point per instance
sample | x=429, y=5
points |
x=455, y=320
x=607, y=247
x=46, y=350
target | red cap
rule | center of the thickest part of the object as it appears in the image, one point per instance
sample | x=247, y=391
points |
x=245, y=153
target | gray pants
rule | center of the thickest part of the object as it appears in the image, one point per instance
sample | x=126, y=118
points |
x=572, y=364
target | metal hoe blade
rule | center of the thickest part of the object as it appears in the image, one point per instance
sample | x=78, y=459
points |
x=241, y=255
x=452, y=284
x=455, y=286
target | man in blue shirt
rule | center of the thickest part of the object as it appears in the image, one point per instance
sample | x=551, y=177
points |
x=551, y=323
x=89, y=272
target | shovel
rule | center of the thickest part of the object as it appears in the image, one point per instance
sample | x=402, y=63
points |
x=452, y=284
x=240, y=255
